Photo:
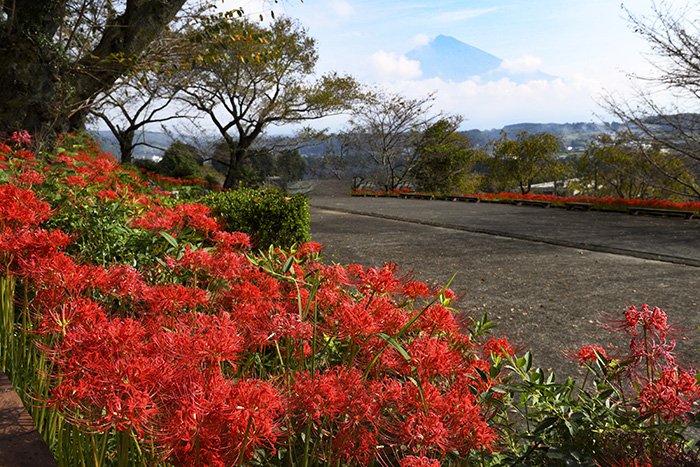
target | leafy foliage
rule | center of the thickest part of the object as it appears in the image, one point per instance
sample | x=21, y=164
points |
x=525, y=160
x=618, y=167
x=445, y=160
x=246, y=77
x=270, y=217
x=179, y=161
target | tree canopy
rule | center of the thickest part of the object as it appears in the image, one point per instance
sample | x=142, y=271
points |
x=245, y=77
x=386, y=129
x=525, y=160
x=59, y=54
x=446, y=159
x=615, y=166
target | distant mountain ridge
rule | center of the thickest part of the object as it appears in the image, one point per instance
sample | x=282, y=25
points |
x=453, y=60
x=571, y=135
x=575, y=135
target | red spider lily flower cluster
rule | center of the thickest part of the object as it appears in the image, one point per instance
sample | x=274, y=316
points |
x=21, y=138
x=213, y=355
x=671, y=396
x=657, y=385
x=589, y=353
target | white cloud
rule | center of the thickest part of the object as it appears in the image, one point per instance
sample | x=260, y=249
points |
x=523, y=64
x=493, y=104
x=462, y=15
x=391, y=66
x=342, y=8
x=420, y=39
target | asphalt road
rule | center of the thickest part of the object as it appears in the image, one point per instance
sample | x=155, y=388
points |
x=546, y=276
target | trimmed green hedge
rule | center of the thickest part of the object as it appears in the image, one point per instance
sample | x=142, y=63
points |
x=270, y=217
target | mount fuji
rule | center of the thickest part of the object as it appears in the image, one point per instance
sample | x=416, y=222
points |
x=449, y=59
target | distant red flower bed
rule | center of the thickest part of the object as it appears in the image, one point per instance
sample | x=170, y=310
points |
x=603, y=203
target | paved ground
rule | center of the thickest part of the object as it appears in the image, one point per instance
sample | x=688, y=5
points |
x=544, y=275
x=20, y=444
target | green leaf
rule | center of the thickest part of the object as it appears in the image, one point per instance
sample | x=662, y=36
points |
x=169, y=238
x=546, y=423
x=392, y=342
x=482, y=374
x=287, y=265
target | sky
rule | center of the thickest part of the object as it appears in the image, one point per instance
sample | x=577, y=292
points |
x=588, y=45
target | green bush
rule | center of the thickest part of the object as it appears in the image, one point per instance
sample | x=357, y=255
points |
x=270, y=217
x=179, y=160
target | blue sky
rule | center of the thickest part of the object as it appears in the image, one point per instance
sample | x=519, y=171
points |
x=588, y=45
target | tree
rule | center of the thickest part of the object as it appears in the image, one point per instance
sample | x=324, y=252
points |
x=59, y=54
x=386, y=129
x=528, y=159
x=614, y=166
x=290, y=165
x=247, y=77
x=179, y=160
x=144, y=96
x=446, y=159
x=673, y=34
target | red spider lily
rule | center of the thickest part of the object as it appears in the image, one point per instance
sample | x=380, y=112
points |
x=81, y=312
x=214, y=421
x=290, y=325
x=124, y=281
x=648, y=329
x=416, y=289
x=19, y=207
x=236, y=240
x=589, y=353
x=20, y=246
x=416, y=461
x=172, y=299
x=21, y=138
x=654, y=320
x=309, y=250
x=107, y=195
x=433, y=357
x=432, y=422
x=195, y=216
x=377, y=280
x=498, y=346
x=58, y=277
x=28, y=178
x=342, y=399
x=200, y=341
x=438, y=319
x=671, y=397
x=108, y=376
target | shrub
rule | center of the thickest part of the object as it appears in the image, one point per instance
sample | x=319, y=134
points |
x=179, y=160
x=270, y=217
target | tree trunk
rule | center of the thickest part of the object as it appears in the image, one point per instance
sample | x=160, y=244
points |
x=38, y=95
x=126, y=146
x=28, y=81
x=235, y=175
